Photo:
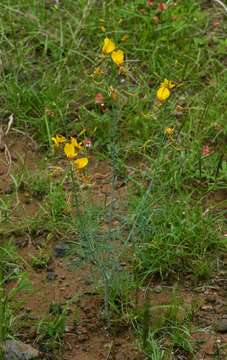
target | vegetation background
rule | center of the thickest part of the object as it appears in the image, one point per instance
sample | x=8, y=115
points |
x=133, y=243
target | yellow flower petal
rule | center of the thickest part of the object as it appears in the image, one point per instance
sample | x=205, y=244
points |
x=169, y=131
x=108, y=46
x=81, y=163
x=69, y=150
x=75, y=143
x=169, y=84
x=118, y=57
x=55, y=141
x=163, y=93
x=58, y=139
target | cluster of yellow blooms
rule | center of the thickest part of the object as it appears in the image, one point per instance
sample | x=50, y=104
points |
x=109, y=48
x=71, y=150
x=164, y=90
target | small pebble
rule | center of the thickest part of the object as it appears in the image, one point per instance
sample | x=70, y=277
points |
x=51, y=276
x=207, y=307
x=221, y=325
x=69, y=328
x=158, y=289
x=8, y=190
x=61, y=249
x=15, y=349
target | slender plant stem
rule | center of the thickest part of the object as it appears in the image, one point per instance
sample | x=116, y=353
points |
x=146, y=318
x=88, y=243
x=47, y=128
x=219, y=166
x=138, y=212
x=76, y=203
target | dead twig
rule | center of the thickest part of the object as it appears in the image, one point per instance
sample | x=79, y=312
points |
x=7, y=152
x=8, y=159
x=9, y=124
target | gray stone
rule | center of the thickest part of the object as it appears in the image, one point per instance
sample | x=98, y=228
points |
x=51, y=276
x=17, y=350
x=61, y=249
x=158, y=289
x=221, y=325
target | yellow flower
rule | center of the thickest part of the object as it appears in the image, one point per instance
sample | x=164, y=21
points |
x=75, y=143
x=118, y=57
x=108, y=46
x=169, y=84
x=163, y=93
x=69, y=150
x=58, y=139
x=169, y=131
x=81, y=163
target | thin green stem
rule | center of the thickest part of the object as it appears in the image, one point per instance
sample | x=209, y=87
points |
x=47, y=128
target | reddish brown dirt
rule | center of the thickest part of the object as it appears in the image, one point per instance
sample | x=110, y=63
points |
x=206, y=304
x=18, y=154
x=90, y=339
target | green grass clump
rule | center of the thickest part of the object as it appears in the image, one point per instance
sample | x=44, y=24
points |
x=50, y=330
x=11, y=270
x=175, y=236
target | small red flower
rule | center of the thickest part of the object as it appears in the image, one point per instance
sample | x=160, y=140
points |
x=206, y=150
x=88, y=143
x=99, y=98
x=150, y=2
x=162, y=6
x=216, y=24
